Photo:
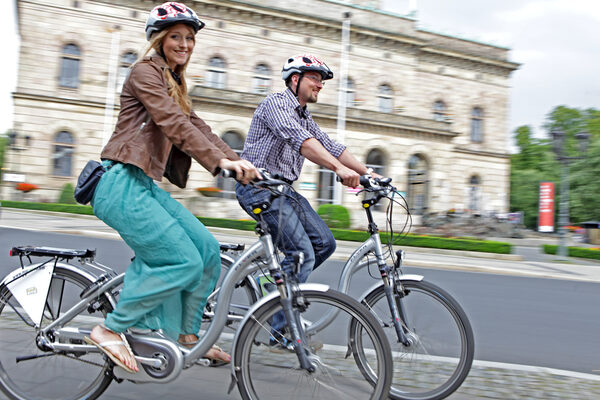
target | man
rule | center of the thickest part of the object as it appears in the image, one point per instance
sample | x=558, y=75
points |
x=282, y=134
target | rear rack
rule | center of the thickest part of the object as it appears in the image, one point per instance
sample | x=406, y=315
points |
x=67, y=254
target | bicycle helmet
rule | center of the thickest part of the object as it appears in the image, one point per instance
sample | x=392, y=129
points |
x=306, y=62
x=171, y=13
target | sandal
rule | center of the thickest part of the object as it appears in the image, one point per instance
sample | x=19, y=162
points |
x=215, y=360
x=113, y=357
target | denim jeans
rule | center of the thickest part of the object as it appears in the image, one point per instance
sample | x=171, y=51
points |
x=301, y=230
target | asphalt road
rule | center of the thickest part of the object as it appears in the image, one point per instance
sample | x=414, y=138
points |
x=517, y=320
x=541, y=322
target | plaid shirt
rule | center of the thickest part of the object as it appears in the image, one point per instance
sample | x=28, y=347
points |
x=278, y=129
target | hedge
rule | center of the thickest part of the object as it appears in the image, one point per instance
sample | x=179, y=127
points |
x=56, y=207
x=339, y=234
x=581, y=252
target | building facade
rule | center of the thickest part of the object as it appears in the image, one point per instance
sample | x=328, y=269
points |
x=426, y=109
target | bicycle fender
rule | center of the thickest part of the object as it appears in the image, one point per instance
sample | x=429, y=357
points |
x=30, y=286
x=407, y=277
x=303, y=286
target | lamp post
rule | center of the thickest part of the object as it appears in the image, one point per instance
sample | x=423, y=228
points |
x=558, y=141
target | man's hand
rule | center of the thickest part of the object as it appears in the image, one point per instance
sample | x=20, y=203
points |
x=349, y=177
x=245, y=171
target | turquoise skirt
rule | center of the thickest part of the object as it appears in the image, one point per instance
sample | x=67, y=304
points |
x=177, y=261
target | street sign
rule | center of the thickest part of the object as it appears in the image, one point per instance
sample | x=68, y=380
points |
x=10, y=177
x=546, y=207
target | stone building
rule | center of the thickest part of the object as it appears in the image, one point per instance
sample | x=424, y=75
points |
x=427, y=109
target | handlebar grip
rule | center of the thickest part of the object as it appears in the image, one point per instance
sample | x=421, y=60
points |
x=228, y=173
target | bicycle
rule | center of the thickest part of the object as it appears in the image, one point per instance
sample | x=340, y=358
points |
x=430, y=335
x=47, y=308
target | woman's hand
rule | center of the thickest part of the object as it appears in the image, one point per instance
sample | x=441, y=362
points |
x=245, y=171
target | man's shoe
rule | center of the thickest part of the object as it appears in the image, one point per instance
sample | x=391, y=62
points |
x=280, y=345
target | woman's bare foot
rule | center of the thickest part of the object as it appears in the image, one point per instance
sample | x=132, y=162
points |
x=215, y=353
x=102, y=336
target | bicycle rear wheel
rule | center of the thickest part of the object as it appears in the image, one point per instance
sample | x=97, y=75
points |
x=440, y=353
x=272, y=372
x=49, y=376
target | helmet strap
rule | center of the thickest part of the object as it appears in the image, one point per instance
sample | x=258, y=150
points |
x=300, y=76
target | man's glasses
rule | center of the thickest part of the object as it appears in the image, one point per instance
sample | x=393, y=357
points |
x=315, y=79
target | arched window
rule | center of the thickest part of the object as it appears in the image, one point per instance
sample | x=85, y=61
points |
x=418, y=184
x=236, y=142
x=384, y=98
x=439, y=111
x=216, y=75
x=474, y=200
x=69, y=66
x=350, y=93
x=376, y=160
x=62, y=156
x=477, y=125
x=261, y=83
x=127, y=60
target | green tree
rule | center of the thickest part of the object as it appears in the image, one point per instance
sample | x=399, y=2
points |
x=3, y=146
x=536, y=162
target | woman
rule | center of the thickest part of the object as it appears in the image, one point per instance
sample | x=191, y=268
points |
x=177, y=262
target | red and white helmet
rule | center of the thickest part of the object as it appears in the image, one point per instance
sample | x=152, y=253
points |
x=171, y=13
x=305, y=62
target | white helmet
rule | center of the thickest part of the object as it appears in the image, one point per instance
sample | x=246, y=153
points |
x=171, y=13
x=305, y=62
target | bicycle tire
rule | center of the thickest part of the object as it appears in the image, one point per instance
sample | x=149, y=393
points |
x=265, y=372
x=439, y=358
x=55, y=376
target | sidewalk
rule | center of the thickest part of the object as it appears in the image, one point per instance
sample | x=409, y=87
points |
x=486, y=380
x=528, y=262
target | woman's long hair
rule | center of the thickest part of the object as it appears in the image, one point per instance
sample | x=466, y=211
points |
x=178, y=92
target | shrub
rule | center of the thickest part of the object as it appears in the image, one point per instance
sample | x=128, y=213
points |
x=66, y=194
x=335, y=216
x=574, y=251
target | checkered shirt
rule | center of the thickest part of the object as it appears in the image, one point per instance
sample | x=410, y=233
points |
x=278, y=129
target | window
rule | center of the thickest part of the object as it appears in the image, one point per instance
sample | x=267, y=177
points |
x=418, y=184
x=477, y=125
x=236, y=142
x=216, y=77
x=63, y=154
x=439, y=111
x=376, y=160
x=69, y=66
x=350, y=93
x=127, y=60
x=326, y=186
x=261, y=83
x=384, y=97
x=474, y=193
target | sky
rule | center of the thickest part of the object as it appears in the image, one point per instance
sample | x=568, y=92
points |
x=557, y=43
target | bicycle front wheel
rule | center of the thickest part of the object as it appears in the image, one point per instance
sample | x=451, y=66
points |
x=266, y=371
x=42, y=374
x=440, y=347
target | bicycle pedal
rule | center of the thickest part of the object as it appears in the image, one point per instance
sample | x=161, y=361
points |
x=204, y=362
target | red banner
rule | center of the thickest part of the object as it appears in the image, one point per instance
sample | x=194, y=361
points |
x=546, y=208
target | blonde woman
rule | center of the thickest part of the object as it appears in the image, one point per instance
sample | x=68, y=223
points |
x=177, y=262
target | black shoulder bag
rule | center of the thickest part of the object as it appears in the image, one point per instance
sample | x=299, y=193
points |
x=87, y=181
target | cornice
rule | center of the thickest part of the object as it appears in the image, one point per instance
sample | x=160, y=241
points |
x=483, y=153
x=60, y=100
x=328, y=112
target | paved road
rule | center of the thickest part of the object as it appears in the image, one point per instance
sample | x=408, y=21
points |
x=487, y=380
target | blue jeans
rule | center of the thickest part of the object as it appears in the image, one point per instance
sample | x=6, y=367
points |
x=301, y=230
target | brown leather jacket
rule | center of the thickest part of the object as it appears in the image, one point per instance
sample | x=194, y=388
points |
x=153, y=133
